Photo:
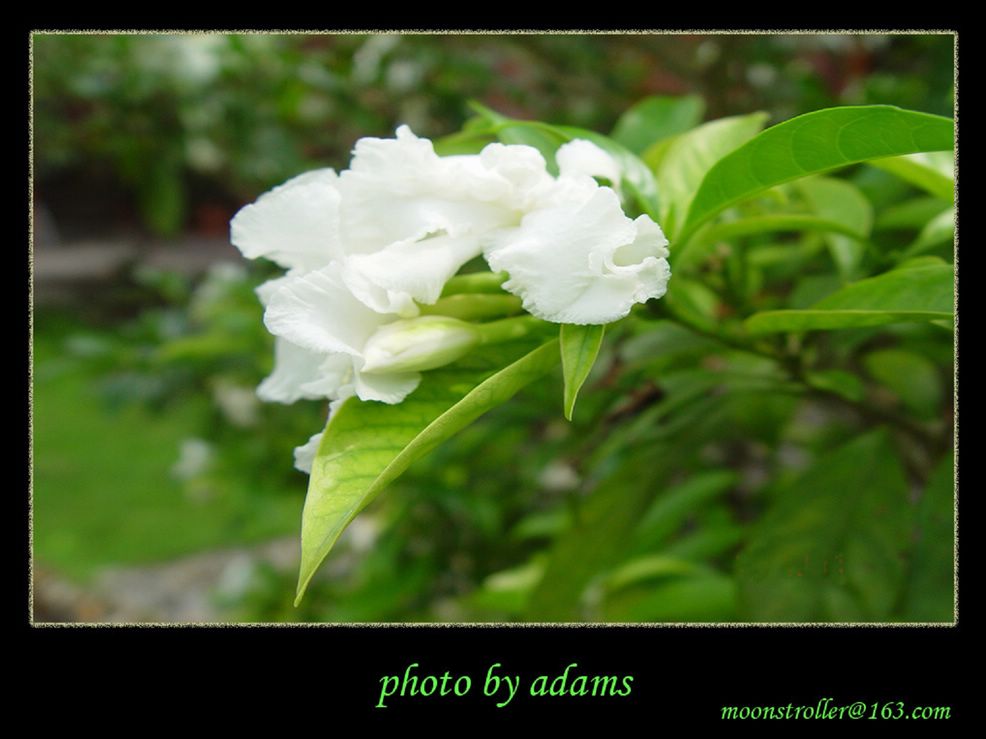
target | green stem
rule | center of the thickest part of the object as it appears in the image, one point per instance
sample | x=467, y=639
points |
x=474, y=306
x=508, y=329
x=876, y=414
x=477, y=282
x=723, y=338
x=796, y=372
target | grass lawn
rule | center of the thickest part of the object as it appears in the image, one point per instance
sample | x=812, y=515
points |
x=103, y=492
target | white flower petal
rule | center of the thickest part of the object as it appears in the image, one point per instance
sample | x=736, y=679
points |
x=335, y=378
x=295, y=224
x=522, y=170
x=411, y=219
x=304, y=456
x=267, y=289
x=317, y=311
x=582, y=157
x=295, y=368
x=391, y=279
x=387, y=388
x=399, y=190
x=582, y=262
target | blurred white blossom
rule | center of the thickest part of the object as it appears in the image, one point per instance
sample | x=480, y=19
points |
x=237, y=403
x=194, y=457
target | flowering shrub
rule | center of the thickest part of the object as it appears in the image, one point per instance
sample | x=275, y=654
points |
x=430, y=282
x=345, y=315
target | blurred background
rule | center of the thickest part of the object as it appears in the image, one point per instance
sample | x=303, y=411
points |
x=162, y=488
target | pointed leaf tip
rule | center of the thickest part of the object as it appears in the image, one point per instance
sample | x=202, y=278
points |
x=579, y=348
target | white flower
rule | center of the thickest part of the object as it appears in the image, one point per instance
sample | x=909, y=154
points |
x=365, y=247
x=297, y=371
x=295, y=225
x=411, y=219
x=402, y=220
x=581, y=260
x=325, y=329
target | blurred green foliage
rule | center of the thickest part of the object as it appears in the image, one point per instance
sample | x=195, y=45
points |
x=119, y=479
x=172, y=122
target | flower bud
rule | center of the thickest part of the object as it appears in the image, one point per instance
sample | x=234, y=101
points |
x=418, y=344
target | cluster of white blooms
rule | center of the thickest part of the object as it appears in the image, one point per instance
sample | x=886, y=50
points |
x=365, y=247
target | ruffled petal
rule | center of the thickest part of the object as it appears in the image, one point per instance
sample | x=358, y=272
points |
x=317, y=312
x=521, y=172
x=304, y=456
x=411, y=219
x=582, y=262
x=295, y=224
x=390, y=280
x=335, y=378
x=399, y=190
x=386, y=388
x=582, y=157
x=295, y=369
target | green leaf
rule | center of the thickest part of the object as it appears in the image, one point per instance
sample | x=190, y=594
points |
x=933, y=172
x=487, y=119
x=507, y=591
x=663, y=588
x=698, y=246
x=579, y=349
x=840, y=382
x=694, y=301
x=704, y=597
x=929, y=594
x=709, y=541
x=671, y=509
x=912, y=378
x=690, y=156
x=649, y=567
x=639, y=457
x=813, y=143
x=939, y=230
x=654, y=155
x=598, y=536
x=655, y=118
x=843, y=202
x=912, y=214
x=918, y=291
x=463, y=142
x=367, y=445
x=832, y=546
x=541, y=524
x=812, y=288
